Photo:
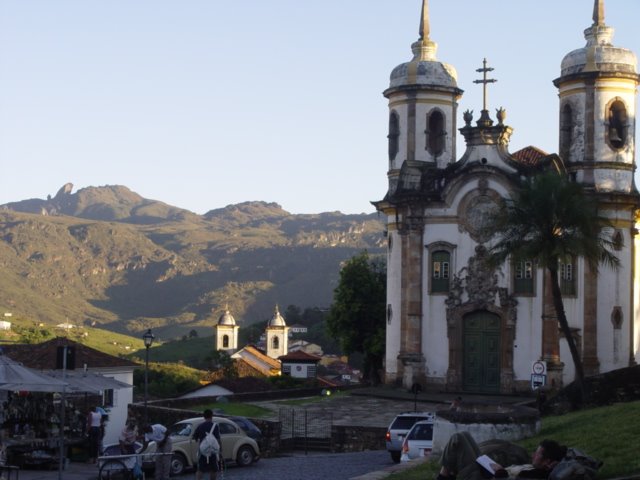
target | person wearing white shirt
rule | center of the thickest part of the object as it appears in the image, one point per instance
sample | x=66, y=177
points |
x=158, y=433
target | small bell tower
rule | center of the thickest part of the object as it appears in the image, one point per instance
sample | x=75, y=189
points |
x=226, y=332
x=277, y=336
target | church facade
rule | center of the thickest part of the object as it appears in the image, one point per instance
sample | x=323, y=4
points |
x=455, y=324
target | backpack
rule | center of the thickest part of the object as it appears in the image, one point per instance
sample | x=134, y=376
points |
x=576, y=464
x=209, y=444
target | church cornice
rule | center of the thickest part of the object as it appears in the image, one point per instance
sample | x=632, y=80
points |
x=600, y=165
x=595, y=75
x=413, y=88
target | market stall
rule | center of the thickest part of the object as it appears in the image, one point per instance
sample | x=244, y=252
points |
x=28, y=423
x=35, y=404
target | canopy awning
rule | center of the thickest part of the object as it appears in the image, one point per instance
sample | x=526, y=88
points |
x=14, y=376
x=86, y=382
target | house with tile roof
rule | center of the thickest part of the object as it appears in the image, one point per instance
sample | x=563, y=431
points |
x=252, y=362
x=299, y=364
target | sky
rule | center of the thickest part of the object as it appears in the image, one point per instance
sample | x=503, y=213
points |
x=205, y=103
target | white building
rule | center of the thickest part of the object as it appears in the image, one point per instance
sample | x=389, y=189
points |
x=452, y=322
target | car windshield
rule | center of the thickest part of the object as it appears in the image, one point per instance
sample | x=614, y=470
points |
x=405, y=422
x=181, y=429
x=421, y=432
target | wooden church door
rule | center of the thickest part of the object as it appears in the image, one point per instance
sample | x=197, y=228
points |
x=481, y=347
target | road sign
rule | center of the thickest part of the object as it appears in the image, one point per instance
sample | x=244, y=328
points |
x=538, y=381
x=539, y=367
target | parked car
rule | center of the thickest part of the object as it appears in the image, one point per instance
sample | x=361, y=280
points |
x=249, y=427
x=419, y=440
x=399, y=428
x=237, y=446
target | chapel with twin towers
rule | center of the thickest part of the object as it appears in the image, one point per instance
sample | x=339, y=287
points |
x=453, y=323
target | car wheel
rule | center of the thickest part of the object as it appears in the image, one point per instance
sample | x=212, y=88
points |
x=178, y=464
x=245, y=456
x=395, y=456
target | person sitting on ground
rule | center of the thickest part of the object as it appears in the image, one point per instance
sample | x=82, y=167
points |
x=128, y=438
x=207, y=464
x=459, y=456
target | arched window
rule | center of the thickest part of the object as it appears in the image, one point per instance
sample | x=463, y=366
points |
x=275, y=343
x=566, y=131
x=225, y=341
x=618, y=240
x=618, y=120
x=394, y=135
x=440, y=271
x=435, y=132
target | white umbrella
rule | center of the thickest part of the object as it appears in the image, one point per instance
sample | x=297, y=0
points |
x=14, y=376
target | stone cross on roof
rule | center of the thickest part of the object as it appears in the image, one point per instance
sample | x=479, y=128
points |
x=484, y=70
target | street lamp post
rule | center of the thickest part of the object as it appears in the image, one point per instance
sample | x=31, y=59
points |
x=148, y=341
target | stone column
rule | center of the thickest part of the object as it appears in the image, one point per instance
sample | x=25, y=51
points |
x=590, y=361
x=411, y=357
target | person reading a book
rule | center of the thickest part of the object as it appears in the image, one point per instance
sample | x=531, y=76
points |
x=461, y=459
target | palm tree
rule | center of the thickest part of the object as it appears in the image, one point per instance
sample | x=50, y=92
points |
x=552, y=220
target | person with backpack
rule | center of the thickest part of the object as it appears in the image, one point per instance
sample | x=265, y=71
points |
x=210, y=448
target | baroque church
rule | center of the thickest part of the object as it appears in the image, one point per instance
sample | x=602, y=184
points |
x=455, y=324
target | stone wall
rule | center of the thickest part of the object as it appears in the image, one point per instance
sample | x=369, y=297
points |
x=357, y=439
x=485, y=422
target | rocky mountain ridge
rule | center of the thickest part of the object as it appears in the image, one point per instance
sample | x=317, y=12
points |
x=108, y=257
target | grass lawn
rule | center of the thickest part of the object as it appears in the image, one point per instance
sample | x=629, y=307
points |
x=311, y=400
x=231, y=408
x=610, y=434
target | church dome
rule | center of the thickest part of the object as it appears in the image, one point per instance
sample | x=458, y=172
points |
x=277, y=320
x=599, y=54
x=226, y=319
x=424, y=69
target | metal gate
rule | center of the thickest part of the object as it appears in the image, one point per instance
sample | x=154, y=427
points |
x=305, y=429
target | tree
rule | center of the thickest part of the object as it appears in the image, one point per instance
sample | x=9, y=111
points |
x=552, y=220
x=219, y=360
x=357, y=315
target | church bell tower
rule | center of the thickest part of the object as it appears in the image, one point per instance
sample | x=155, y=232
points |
x=598, y=92
x=423, y=99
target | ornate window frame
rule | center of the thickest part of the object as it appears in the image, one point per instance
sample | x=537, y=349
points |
x=568, y=277
x=433, y=248
x=523, y=278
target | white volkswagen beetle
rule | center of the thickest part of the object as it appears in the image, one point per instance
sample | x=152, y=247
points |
x=237, y=447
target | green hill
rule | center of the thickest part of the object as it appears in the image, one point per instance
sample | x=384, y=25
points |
x=105, y=257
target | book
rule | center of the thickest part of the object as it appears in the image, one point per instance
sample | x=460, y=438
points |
x=488, y=464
